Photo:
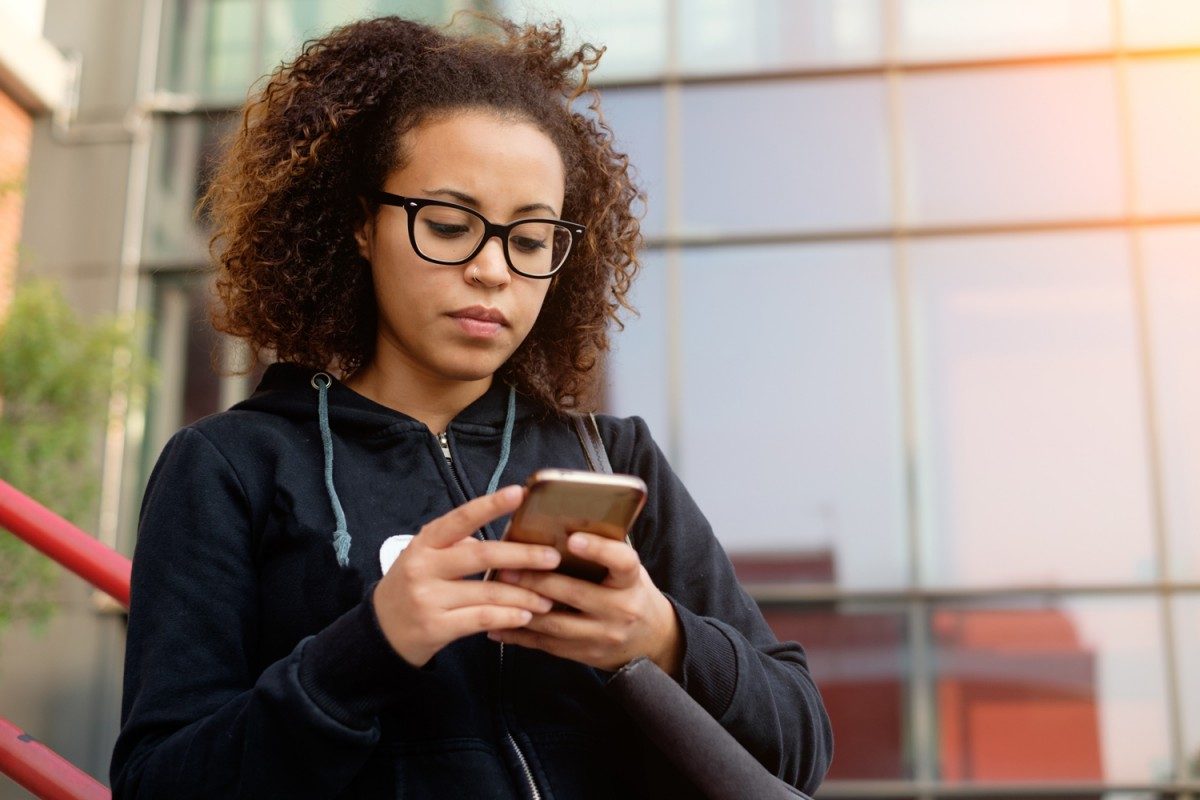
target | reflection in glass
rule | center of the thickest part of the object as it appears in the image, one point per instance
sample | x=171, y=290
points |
x=1187, y=643
x=791, y=431
x=1032, y=450
x=858, y=658
x=786, y=156
x=1050, y=690
x=1160, y=23
x=951, y=29
x=182, y=157
x=736, y=35
x=221, y=47
x=1165, y=119
x=634, y=31
x=637, y=370
x=289, y=23
x=213, y=52
x=196, y=364
x=636, y=117
x=1173, y=298
x=1027, y=143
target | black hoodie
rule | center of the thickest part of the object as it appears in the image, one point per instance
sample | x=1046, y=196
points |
x=255, y=666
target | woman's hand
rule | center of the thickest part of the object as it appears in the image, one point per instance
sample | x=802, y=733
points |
x=618, y=620
x=422, y=602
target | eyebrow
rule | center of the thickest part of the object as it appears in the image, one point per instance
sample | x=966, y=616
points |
x=468, y=200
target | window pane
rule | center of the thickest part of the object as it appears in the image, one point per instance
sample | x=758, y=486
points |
x=225, y=67
x=791, y=432
x=788, y=156
x=181, y=157
x=634, y=31
x=735, y=35
x=1173, y=295
x=184, y=345
x=1026, y=143
x=219, y=48
x=1161, y=23
x=1032, y=451
x=637, y=364
x=636, y=117
x=1051, y=690
x=289, y=23
x=858, y=657
x=952, y=29
x=1166, y=127
x=1187, y=643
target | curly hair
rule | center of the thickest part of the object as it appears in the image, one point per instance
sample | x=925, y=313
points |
x=328, y=128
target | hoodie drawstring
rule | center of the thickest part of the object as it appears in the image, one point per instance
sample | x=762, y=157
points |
x=506, y=441
x=341, y=536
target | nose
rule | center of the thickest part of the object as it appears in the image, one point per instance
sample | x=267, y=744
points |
x=489, y=268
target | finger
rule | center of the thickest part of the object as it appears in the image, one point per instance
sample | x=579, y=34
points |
x=568, y=627
x=469, y=517
x=621, y=559
x=563, y=648
x=464, y=594
x=470, y=620
x=472, y=556
x=588, y=597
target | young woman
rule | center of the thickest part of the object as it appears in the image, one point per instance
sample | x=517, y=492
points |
x=432, y=240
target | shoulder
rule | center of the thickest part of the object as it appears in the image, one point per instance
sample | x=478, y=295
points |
x=244, y=445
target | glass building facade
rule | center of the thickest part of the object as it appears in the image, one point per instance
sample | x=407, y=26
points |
x=920, y=316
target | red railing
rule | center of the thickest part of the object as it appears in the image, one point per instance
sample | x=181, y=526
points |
x=24, y=759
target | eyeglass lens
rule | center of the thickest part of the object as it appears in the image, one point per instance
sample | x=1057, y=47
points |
x=450, y=234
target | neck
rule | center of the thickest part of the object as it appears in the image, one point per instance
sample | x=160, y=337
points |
x=433, y=401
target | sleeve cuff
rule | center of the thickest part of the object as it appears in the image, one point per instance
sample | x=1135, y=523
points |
x=710, y=663
x=349, y=670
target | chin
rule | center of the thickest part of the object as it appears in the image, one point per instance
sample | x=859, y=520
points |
x=471, y=369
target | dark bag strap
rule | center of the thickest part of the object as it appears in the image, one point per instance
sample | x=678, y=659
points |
x=593, y=446
x=699, y=747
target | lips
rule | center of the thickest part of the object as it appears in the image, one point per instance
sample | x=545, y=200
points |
x=480, y=314
x=478, y=322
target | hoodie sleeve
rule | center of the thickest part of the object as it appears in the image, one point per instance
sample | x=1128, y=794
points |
x=758, y=688
x=197, y=719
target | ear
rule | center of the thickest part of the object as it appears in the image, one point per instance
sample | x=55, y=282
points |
x=364, y=230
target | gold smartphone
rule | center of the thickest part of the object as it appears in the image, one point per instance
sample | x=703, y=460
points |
x=562, y=501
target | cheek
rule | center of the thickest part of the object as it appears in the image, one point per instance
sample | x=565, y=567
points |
x=534, y=301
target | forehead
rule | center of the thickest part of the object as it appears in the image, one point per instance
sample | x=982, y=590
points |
x=495, y=158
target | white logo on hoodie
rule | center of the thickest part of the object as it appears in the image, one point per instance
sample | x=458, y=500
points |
x=392, y=547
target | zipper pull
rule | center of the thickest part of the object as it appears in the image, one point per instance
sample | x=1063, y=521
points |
x=444, y=441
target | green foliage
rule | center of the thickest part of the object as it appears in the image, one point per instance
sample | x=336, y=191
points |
x=56, y=375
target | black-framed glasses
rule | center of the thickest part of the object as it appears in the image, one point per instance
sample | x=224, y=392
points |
x=447, y=233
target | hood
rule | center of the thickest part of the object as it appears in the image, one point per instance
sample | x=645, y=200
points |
x=288, y=390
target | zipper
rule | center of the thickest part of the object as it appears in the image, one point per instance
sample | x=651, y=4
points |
x=444, y=443
x=512, y=740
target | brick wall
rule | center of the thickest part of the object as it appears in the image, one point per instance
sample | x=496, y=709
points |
x=15, y=133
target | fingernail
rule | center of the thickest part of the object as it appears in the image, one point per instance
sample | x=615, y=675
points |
x=545, y=604
x=508, y=576
x=577, y=543
x=510, y=493
x=526, y=615
x=495, y=637
x=550, y=557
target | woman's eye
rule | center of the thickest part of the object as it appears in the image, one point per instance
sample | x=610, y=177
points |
x=526, y=244
x=446, y=230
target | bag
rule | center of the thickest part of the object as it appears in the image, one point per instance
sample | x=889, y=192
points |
x=699, y=747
